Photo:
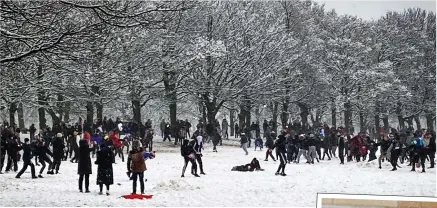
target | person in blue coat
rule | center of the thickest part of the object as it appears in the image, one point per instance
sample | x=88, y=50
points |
x=418, y=153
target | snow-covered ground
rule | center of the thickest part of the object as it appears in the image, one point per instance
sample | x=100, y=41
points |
x=220, y=186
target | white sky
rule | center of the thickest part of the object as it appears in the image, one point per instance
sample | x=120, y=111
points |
x=373, y=9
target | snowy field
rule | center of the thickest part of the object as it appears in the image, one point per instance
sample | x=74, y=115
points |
x=220, y=186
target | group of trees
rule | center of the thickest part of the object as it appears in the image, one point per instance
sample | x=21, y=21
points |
x=291, y=59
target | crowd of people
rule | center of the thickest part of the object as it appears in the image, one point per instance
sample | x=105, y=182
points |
x=415, y=147
x=61, y=141
x=106, y=139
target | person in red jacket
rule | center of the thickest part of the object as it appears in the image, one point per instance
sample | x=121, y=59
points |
x=116, y=143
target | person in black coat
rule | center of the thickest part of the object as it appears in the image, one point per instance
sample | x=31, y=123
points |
x=341, y=148
x=27, y=159
x=432, y=148
x=12, y=148
x=41, y=151
x=84, y=165
x=105, y=158
x=270, y=145
x=188, y=152
x=58, y=152
x=281, y=151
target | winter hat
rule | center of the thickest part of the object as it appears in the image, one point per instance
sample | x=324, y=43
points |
x=59, y=135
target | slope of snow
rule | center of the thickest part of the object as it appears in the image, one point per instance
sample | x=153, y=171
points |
x=220, y=187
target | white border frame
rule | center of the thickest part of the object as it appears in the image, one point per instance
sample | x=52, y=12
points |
x=373, y=197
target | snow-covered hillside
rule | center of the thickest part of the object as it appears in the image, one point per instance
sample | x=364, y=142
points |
x=220, y=187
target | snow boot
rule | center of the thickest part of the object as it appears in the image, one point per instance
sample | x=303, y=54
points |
x=283, y=174
x=277, y=173
x=107, y=193
x=182, y=176
x=40, y=176
x=34, y=177
x=87, y=191
x=100, y=193
x=50, y=172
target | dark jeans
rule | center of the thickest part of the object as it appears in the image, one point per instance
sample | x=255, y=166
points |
x=101, y=187
x=2, y=160
x=42, y=160
x=271, y=155
x=199, y=160
x=12, y=159
x=394, y=158
x=431, y=158
x=56, y=164
x=167, y=136
x=341, y=155
x=25, y=165
x=87, y=181
x=193, y=165
x=135, y=176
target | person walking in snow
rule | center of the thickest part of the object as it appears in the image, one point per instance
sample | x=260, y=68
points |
x=225, y=126
x=281, y=151
x=303, y=148
x=41, y=151
x=341, y=147
x=312, y=149
x=270, y=144
x=244, y=142
x=395, y=150
x=58, y=152
x=84, y=165
x=105, y=158
x=189, y=154
x=198, y=146
x=136, y=165
x=27, y=159
x=418, y=153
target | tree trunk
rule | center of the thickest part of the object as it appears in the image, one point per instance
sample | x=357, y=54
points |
x=417, y=120
x=244, y=115
x=284, y=114
x=409, y=121
x=99, y=109
x=20, y=113
x=136, y=110
x=399, y=115
x=348, y=117
x=333, y=113
x=89, y=117
x=67, y=112
x=204, y=117
x=377, y=122
x=41, y=101
x=429, y=121
x=232, y=121
x=12, y=109
x=304, y=113
x=362, y=122
x=275, y=115
x=386, y=124
x=60, y=106
x=257, y=113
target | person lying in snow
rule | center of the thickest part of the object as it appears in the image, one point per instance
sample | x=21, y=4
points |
x=254, y=165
